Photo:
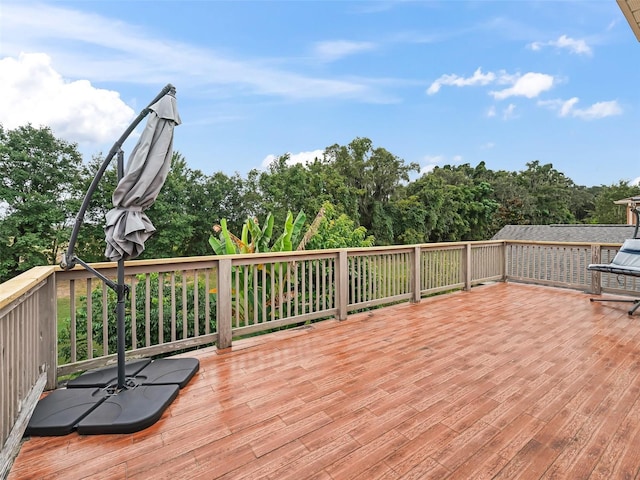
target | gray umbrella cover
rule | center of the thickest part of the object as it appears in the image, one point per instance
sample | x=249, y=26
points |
x=128, y=227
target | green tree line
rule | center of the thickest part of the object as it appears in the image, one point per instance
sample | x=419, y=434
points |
x=43, y=180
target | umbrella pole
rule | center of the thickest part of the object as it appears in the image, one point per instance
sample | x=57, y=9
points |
x=121, y=294
x=120, y=311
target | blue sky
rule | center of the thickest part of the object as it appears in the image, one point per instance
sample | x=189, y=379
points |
x=435, y=82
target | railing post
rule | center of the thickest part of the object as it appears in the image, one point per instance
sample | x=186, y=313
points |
x=223, y=306
x=416, y=287
x=48, y=319
x=596, y=284
x=467, y=266
x=505, y=259
x=342, y=288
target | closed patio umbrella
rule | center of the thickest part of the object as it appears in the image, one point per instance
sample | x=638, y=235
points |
x=128, y=227
x=91, y=404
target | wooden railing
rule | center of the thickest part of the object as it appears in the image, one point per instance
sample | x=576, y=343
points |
x=565, y=265
x=215, y=299
x=181, y=303
x=27, y=353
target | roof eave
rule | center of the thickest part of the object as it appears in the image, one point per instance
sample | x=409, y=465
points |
x=631, y=11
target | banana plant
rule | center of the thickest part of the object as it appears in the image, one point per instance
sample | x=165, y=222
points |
x=226, y=243
x=252, y=240
x=255, y=239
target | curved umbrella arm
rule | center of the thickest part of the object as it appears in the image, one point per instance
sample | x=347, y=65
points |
x=69, y=259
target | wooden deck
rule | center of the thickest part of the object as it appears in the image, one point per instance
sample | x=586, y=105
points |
x=505, y=381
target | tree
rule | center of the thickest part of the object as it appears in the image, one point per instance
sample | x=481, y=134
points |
x=551, y=191
x=409, y=220
x=582, y=202
x=605, y=210
x=287, y=188
x=372, y=177
x=515, y=203
x=39, y=193
x=458, y=206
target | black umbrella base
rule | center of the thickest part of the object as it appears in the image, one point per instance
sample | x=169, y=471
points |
x=91, y=405
x=129, y=411
x=59, y=412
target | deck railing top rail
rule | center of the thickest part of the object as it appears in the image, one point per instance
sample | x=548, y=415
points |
x=14, y=288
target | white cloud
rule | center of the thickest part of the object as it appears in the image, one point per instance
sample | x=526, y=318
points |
x=333, y=50
x=33, y=92
x=300, y=157
x=529, y=85
x=487, y=146
x=567, y=108
x=491, y=111
x=509, y=112
x=599, y=110
x=579, y=47
x=104, y=49
x=551, y=104
x=478, y=78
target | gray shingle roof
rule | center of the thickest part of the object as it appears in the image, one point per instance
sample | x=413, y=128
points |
x=567, y=233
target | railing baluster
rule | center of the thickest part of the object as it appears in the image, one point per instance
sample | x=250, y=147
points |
x=147, y=309
x=287, y=289
x=272, y=289
x=305, y=288
x=311, y=281
x=245, y=289
x=134, y=312
x=196, y=301
x=296, y=303
x=235, y=293
x=185, y=306
x=256, y=298
x=105, y=320
x=89, y=320
x=280, y=291
x=173, y=306
x=161, y=308
x=323, y=277
x=263, y=283
x=207, y=302
x=72, y=321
